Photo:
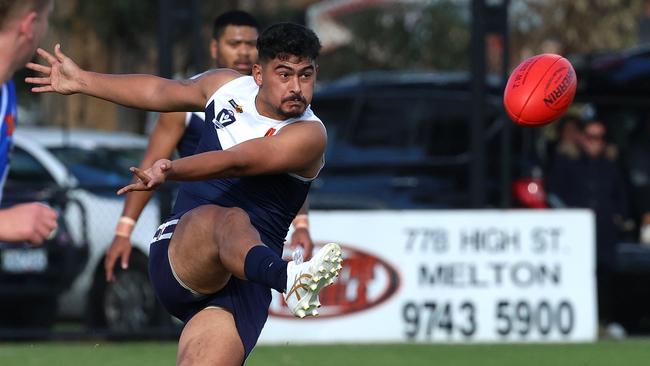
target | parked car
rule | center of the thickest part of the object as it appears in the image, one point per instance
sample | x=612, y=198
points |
x=86, y=167
x=33, y=277
x=402, y=140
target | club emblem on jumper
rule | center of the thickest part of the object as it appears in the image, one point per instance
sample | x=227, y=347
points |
x=237, y=107
x=9, y=122
x=224, y=118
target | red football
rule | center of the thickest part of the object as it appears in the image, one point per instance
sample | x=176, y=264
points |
x=540, y=90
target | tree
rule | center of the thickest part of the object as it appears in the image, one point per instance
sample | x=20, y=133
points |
x=425, y=36
x=105, y=36
x=578, y=26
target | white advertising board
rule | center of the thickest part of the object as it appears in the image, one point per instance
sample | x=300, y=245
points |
x=452, y=276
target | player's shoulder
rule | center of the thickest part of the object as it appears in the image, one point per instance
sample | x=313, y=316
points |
x=213, y=79
x=308, y=117
x=219, y=73
x=306, y=124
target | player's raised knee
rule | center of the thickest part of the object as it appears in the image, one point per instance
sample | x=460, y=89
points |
x=234, y=215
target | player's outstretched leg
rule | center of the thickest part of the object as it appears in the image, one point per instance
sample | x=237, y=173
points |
x=306, y=280
x=211, y=243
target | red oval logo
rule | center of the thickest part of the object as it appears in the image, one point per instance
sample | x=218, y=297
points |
x=365, y=281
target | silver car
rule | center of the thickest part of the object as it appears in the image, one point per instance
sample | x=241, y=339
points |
x=88, y=166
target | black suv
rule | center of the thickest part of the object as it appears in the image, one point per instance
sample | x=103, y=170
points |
x=402, y=140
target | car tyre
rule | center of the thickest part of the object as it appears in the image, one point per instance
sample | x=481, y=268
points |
x=128, y=305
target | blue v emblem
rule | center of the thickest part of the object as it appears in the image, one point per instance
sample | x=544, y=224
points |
x=224, y=118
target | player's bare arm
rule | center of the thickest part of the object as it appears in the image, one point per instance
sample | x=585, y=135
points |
x=147, y=92
x=301, y=236
x=162, y=142
x=297, y=148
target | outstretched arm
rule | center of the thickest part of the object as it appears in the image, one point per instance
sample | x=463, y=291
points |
x=297, y=148
x=146, y=92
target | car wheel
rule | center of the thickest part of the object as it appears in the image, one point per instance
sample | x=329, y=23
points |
x=128, y=304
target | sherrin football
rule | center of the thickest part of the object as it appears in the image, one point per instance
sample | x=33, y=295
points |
x=540, y=90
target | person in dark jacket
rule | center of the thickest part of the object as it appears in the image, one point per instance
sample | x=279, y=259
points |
x=638, y=170
x=592, y=179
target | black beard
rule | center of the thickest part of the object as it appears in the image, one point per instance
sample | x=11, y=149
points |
x=288, y=115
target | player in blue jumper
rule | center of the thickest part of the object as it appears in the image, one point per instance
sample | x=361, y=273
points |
x=22, y=25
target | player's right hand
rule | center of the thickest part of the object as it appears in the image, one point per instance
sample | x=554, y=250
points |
x=120, y=249
x=31, y=222
x=62, y=76
x=149, y=179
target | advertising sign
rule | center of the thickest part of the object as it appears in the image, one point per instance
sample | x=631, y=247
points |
x=452, y=276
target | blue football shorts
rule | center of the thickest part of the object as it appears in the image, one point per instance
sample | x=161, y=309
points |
x=247, y=301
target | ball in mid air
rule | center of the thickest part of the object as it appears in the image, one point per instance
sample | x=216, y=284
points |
x=540, y=90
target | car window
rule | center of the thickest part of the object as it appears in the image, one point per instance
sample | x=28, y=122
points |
x=25, y=169
x=335, y=112
x=374, y=128
x=387, y=122
x=100, y=166
x=397, y=125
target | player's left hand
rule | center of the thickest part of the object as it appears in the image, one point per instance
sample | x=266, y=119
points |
x=149, y=179
x=62, y=76
x=301, y=237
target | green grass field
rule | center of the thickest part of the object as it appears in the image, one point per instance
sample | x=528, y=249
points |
x=606, y=353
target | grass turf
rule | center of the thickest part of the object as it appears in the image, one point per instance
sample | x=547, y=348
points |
x=606, y=353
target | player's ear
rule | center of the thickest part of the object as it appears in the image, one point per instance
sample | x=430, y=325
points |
x=257, y=74
x=214, y=49
x=26, y=24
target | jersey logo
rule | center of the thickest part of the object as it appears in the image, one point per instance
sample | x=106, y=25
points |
x=237, y=107
x=224, y=118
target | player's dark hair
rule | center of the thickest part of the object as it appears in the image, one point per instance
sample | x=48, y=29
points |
x=232, y=17
x=285, y=39
x=8, y=8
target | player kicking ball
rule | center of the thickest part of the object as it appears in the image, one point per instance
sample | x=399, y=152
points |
x=212, y=264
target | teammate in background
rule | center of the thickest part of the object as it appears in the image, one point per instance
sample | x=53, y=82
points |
x=22, y=26
x=214, y=262
x=234, y=35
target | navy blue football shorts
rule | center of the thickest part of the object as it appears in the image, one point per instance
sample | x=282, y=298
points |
x=247, y=301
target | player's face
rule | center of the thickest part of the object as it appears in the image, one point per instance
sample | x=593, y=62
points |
x=286, y=86
x=235, y=49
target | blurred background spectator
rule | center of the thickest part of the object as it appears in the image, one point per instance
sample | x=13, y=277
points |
x=638, y=169
x=591, y=178
x=568, y=137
